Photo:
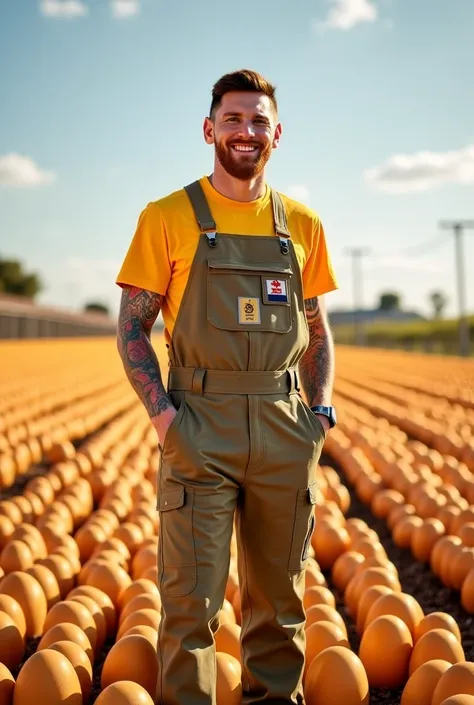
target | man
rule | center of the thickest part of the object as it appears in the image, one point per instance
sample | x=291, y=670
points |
x=238, y=272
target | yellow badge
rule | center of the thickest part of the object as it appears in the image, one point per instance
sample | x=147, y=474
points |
x=249, y=310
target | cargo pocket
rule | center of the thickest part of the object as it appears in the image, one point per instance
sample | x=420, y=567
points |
x=303, y=528
x=249, y=297
x=177, y=569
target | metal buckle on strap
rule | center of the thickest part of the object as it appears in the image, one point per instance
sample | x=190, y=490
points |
x=284, y=247
x=211, y=239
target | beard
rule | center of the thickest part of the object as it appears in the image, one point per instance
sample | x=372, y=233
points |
x=243, y=166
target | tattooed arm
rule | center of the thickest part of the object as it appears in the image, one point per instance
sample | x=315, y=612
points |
x=139, y=310
x=317, y=364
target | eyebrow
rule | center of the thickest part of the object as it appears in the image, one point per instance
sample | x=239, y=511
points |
x=237, y=114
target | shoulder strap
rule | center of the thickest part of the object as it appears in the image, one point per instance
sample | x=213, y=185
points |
x=279, y=215
x=200, y=206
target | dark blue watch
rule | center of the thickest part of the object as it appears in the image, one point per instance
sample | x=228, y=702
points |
x=328, y=411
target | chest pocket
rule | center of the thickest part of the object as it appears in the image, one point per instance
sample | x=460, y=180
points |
x=249, y=297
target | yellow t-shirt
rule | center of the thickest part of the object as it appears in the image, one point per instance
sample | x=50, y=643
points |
x=162, y=249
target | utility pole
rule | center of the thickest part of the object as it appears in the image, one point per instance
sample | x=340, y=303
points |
x=357, y=292
x=457, y=227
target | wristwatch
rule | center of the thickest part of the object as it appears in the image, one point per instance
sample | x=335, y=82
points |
x=328, y=411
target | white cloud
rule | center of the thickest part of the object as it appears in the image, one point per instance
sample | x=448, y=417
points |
x=406, y=173
x=299, y=192
x=64, y=8
x=122, y=9
x=346, y=14
x=17, y=170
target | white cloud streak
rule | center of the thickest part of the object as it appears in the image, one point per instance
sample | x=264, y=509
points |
x=421, y=171
x=18, y=170
x=124, y=9
x=65, y=9
x=346, y=14
x=299, y=192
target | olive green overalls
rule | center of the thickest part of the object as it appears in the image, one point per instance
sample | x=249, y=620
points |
x=243, y=443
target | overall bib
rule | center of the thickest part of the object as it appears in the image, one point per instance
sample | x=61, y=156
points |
x=243, y=444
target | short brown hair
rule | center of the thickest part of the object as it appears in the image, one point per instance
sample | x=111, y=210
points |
x=243, y=80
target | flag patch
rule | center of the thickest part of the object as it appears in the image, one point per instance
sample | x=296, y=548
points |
x=276, y=290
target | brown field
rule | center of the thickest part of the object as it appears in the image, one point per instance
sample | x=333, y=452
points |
x=390, y=578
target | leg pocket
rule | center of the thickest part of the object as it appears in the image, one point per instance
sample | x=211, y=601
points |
x=303, y=528
x=177, y=569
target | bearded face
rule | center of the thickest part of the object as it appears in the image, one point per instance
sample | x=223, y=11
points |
x=244, y=132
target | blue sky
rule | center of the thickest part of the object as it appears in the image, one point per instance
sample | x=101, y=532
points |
x=102, y=108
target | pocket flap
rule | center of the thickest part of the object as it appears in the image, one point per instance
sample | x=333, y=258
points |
x=272, y=267
x=170, y=499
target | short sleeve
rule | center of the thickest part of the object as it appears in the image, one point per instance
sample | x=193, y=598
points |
x=146, y=264
x=318, y=274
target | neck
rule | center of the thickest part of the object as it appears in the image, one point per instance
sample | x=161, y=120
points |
x=236, y=189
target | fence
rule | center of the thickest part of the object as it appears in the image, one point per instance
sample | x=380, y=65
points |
x=22, y=318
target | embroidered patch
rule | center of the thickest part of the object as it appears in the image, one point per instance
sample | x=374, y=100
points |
x=249, y=310
x=276, y=290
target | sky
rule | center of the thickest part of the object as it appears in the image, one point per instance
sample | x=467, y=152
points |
x=102, y=104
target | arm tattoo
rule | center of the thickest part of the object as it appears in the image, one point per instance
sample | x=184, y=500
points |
x=139, y=310
x=317, y=364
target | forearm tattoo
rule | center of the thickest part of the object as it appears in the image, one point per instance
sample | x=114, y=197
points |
x=317, y=364
x=139, y=310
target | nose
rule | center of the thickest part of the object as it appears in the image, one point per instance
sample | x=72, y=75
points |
x=246, y=129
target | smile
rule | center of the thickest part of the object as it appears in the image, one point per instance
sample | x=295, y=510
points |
x=244, y=148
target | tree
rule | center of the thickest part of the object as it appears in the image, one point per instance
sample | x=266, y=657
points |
x=14, y=279
x=389, y=301
x=96, y=307
x=438, y=300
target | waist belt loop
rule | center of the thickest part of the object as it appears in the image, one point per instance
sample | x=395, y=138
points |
x=198, y=381
x=293, y=380
x=297, y=380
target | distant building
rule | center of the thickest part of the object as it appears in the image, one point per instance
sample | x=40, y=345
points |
x=340, y=317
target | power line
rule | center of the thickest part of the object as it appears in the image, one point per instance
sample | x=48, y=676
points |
x=457, y=228
x=356, y=254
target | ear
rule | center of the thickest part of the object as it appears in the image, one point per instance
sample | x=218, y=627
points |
x=208, y=130
x=277, y=136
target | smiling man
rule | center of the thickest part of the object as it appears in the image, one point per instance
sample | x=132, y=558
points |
x=238, y=272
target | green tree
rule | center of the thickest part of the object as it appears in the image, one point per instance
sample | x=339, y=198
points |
x=96, y=307
x=389, y=301
x=439, y=301
x=15, y=280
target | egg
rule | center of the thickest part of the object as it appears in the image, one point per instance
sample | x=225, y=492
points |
x=137, y=587
x=317, y=595
x=11, y=607
x=97, y=615
x=124, y=693
x=337, y=677
x=149, y=617
x=324, y=613
x=329, y=542
x=436, y=644
x=74, y=612
x=459, y=700
x=467, y=592
x=110, y=578
x=228, y=680
x=385, y=651
x=399, y=604
x=227, y=638
x=144, y=601
x=48, y=582
x=344, y=568
x=320, y=636
x=66, y=632
x=12, y=645
x=421, y=685
x=366, y=601
x=31, y=598
x=16, y=555
x=104, y=602
x=7, y=685
x=79, y=661
x=132, y=658
x=47, y=678
x=148, y=632
x=459, y=679
x=437, y=620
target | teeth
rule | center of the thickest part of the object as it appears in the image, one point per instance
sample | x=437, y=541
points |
x=243, y=148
